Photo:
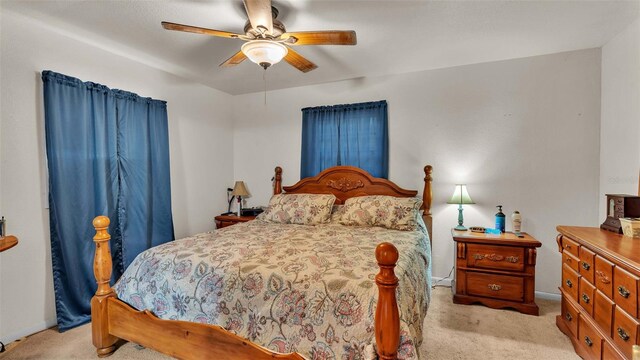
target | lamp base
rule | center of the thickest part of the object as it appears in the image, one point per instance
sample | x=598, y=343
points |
x=460, y=228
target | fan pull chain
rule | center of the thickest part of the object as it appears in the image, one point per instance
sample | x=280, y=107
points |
x=264, y=78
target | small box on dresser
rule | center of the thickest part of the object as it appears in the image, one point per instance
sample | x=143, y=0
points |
x=600, y=300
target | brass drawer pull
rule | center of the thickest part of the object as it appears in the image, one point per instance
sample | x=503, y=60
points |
x=495, y=287
x=586, y=266
x=568, y=317
x=623, y=334
x=623, y=291
x=585, y=298
x=588, y=341
x=569, y=283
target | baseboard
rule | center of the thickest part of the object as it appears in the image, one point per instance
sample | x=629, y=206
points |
x=440, y=281
x=548, y=296
x=7, y=339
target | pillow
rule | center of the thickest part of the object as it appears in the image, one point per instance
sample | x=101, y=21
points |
x=380, y=210
x=303, y=209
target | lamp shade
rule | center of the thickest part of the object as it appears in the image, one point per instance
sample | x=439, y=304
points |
x=239, y=189
x=264, y=51
x=460, y=195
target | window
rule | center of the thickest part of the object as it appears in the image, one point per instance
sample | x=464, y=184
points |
x=353, y=134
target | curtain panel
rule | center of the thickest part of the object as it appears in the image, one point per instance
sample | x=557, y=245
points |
x=107, y=154
x=352, y=134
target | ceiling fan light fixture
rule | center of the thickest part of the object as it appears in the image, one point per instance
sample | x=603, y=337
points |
x=264, y=52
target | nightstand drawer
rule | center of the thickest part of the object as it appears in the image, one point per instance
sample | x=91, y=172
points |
x=495, y=286
x=495, y=257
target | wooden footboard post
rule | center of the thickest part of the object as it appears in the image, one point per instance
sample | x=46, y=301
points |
x=102, y=267
x=427, y=196
x=387, y=321
x=277, y=184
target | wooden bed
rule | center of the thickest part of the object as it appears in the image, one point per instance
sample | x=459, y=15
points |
x=113, y=320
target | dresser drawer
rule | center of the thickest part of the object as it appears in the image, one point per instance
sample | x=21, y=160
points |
x=625, y=291
x=495, y=257
x=603, y=311
x=589, y=338
x=570, y=260
x=609, y=353
x=586, y=295
x=495, y=286
x=625, y=331
x=570, y=246
x=570, y=282
x=587, y=266
x=570, y=316
x=604, y=276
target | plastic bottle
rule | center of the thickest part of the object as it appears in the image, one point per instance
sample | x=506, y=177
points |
x=500, y=219
x=516, y=220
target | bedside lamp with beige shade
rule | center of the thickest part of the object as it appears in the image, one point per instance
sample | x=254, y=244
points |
x=460, y=197
x=240, y=191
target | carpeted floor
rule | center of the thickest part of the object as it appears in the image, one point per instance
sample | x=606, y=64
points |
x=452, y=332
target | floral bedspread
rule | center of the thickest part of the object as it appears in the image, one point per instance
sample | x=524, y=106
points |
x=308, y=289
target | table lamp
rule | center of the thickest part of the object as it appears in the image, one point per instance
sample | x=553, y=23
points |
x=460, y=197
x=239, y=190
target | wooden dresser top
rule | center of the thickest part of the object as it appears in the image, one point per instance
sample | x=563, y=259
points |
x=606, y=243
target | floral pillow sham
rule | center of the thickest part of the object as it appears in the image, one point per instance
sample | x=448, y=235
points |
x=302, y=209
x=380, y=210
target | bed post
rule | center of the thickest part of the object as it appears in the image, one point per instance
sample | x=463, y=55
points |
x=387, y=320
x=277, y=184
x=102, y=267
x=427, y=196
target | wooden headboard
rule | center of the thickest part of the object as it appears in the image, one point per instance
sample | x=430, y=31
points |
x=347, y=181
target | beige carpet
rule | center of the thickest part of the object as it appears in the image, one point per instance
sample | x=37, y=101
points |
x=452, y=332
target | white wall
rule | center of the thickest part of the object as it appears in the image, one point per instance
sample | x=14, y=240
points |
x=200, y=131
x=620, y=120
x=522, y=133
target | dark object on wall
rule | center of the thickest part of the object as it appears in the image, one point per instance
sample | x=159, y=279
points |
x=620, y=206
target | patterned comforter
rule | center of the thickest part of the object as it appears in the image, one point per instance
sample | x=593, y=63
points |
x=308, y=289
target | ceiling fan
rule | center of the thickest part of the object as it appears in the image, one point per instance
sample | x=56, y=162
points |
x=267, y=40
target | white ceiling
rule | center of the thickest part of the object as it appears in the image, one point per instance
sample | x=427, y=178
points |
x=393, y=36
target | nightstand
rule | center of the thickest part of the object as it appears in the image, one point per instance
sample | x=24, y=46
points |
x=228, y=220
x=498, y=271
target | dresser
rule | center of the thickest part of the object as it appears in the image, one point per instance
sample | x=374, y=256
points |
x=600, y=276
x=498, y=271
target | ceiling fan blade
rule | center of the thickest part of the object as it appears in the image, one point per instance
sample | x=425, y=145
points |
x=329, y=37
x=299, y=62
x=236, y=59
x=260, y=14
x=198, y=30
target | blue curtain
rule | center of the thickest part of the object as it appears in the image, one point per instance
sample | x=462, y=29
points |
x=353, y=134
x=88, y=150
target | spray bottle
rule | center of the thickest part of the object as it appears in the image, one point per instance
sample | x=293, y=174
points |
x=500, y=219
